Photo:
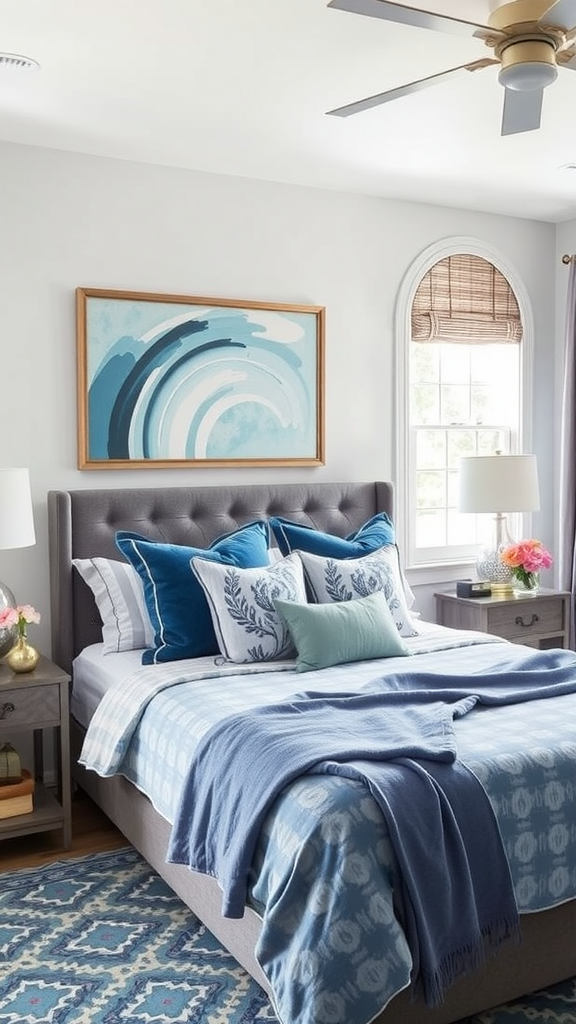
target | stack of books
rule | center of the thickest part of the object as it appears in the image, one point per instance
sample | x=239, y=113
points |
x=17, y=797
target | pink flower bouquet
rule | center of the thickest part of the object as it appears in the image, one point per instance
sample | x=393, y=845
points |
x=526, y=559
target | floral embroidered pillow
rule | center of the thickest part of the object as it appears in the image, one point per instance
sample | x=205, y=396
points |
x=345, y=579
x=247, y=625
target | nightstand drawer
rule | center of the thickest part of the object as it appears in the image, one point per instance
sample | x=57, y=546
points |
x=540, y=621
x=34, y=706
x=526, y=617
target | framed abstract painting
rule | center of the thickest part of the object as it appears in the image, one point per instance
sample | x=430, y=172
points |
x=175, y=381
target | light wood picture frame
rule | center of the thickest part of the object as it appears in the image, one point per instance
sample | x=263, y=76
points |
x=178, y=381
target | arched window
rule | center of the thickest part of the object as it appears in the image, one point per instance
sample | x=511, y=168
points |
x=464, y=330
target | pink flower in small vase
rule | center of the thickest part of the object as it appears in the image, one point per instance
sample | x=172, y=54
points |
x=8, y=618
x=27, y=615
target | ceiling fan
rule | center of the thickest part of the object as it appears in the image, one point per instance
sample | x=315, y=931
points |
x=531, y=39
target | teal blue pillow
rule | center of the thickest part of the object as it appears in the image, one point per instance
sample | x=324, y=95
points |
x=175, y=601
x=332, y=634
x=290, y=536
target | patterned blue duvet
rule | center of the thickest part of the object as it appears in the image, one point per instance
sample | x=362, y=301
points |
x=331, y=945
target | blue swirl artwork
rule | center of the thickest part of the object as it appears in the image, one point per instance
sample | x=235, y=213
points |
x=170, y=380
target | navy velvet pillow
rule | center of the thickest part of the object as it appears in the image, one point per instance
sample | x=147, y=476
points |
x=176, y=604
x=374, y=534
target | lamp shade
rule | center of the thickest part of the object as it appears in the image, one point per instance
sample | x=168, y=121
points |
x=16, y=516
x=499, y=483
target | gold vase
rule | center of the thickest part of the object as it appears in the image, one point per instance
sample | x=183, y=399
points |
x=22, y=657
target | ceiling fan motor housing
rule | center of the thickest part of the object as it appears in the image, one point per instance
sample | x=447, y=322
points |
x=527, y=63
x=528, y=55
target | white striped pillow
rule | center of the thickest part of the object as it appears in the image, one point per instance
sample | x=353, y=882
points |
x=119, y=596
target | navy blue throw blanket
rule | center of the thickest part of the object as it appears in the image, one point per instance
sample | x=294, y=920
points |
x=494, y=674
x=454, y=905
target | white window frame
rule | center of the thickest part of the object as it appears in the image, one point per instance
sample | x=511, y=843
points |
x=421, y=573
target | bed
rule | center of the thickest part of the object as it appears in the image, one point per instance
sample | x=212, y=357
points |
x=83, y=524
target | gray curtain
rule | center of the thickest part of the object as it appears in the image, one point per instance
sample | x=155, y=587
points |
x=567, y=535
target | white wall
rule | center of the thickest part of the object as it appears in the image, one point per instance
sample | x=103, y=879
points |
x=69, y=220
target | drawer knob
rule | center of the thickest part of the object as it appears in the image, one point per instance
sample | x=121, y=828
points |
x=6, y=709
x=527, y=625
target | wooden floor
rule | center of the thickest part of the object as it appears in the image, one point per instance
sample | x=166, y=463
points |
x=91, y=832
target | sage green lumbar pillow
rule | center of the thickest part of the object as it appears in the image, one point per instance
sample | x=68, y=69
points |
x=332, y=634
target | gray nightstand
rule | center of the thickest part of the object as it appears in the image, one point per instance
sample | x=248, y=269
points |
x=538, y=621
x=31, y=702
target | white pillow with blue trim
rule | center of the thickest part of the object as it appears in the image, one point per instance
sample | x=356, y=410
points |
x=247, y=625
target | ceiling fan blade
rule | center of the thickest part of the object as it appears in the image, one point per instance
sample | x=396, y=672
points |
x=522, y=111
x=561, y=14
x=414, y=16
x=405, y=90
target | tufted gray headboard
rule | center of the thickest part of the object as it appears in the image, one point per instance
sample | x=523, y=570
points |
x=83, y=523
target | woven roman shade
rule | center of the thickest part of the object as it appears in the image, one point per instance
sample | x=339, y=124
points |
x=464, y=298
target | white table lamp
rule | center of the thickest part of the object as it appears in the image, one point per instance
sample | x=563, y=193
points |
x=498, y=484
x=16, y=531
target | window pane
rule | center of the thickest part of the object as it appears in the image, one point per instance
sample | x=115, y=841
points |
x=483, y=358
x=454, y=364
x=453, y=485
x=481, y=406
x=461, y=528
x=431, y=490
x=495, y=379
x=425, y=404
x=455, y=403
x=430, y=529
x=499, y=405
x=424, y=364
x=430, y=449
x=460, y=443
x=490, y=441
x=485, y=528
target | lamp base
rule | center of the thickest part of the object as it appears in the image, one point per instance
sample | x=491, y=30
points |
x=490, y=568
x=502, y=589
x=7, y=636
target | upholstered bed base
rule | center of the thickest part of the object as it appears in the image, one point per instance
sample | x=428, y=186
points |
x=83, y=524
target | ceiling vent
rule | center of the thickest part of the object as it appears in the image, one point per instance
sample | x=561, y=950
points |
x=17, y=62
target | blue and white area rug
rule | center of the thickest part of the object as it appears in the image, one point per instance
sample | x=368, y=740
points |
x=103, y=940
x=555, y=1005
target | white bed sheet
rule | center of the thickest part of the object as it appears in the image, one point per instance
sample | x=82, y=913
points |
x=94, y=673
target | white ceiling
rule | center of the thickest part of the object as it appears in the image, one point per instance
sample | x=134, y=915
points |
x=242, y=86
